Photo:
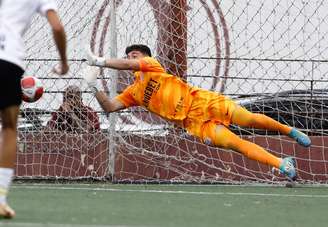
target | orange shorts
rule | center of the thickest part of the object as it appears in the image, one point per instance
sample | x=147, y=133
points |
x=207, y=108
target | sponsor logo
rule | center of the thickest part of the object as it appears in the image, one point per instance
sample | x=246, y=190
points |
x=152, y=86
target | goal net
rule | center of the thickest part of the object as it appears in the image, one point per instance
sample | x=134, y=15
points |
x=270, y=56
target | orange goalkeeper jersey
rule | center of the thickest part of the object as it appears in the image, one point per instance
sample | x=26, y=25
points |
x=158, y=91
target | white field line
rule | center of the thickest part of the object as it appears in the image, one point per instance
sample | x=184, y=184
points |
x=39, y=187
x=22, y=224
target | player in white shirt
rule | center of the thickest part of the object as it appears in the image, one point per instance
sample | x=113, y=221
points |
x=15, y=18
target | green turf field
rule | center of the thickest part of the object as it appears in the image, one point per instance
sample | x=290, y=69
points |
x=99, y=205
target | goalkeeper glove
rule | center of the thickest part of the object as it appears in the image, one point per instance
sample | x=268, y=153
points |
x=95, y=60
x=90, y=74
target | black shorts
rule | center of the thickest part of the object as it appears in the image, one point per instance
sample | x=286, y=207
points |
x=10, y=87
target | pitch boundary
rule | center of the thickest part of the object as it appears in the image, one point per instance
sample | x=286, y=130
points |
x=23, y=224
x=40, y=187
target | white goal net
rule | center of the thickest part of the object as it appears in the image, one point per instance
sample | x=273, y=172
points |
x=270, y=56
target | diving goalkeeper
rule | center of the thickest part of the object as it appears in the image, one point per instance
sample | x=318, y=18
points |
x=204, y=114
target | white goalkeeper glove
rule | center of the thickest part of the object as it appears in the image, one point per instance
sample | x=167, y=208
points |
x=89, y=74
x=95, y=60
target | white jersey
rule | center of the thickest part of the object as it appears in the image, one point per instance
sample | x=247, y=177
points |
x=15, y=18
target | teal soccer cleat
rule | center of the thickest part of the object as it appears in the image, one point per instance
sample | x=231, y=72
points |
x=288, y=168
x=300, y=137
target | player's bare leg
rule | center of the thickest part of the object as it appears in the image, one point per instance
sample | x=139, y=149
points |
x=8, y=147
x=244, y=118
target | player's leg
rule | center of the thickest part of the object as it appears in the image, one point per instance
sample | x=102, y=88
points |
x=10, y=99
x=245, y=118
x=220, y=136
x=9, y=136
x=7, y=156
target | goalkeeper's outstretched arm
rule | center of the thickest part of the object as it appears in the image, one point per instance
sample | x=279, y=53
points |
x=90, y=74
x=108, y=105
x=114, y=63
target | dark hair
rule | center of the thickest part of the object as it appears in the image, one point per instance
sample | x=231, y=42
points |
x=139, y=47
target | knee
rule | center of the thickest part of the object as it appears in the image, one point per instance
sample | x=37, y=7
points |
x=215, y=135
x=9, y=117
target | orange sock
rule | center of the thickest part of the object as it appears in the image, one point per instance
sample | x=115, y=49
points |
x=261, y=121
x=244, y=118
x=255, y=152
x=221, y=136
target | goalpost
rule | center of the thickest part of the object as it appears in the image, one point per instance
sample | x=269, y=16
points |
x=268, y=56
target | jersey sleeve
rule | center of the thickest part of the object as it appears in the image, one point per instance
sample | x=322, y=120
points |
x=149, y=64
x=46, y=5
x=126, y=97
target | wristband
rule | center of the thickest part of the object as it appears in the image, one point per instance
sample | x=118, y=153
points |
x=100, y=61
x=94, y=89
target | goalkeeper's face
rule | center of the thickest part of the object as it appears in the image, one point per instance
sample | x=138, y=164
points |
x=135, y=54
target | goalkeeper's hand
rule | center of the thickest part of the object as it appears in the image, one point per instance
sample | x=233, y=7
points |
x=89, y=74
x=95, y=60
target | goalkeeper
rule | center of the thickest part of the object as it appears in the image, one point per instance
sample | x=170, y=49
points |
x=204, y=114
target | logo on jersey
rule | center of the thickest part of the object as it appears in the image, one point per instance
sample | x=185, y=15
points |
x=151, y=87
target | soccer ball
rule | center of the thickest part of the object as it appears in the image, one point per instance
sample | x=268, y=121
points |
x=32, y=88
